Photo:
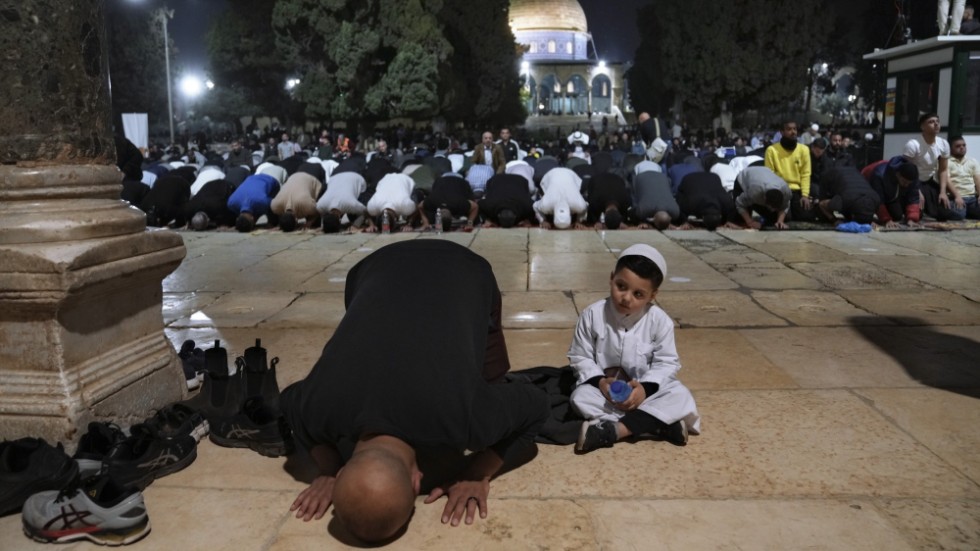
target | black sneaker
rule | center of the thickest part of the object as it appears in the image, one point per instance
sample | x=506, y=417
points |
x=29, y=466
x=96, y=509
x=177, y=420
x=676, y=433
x=148, y=454
x=95, y=445
x=596, y=434
x=192, y=362
x=256, y=426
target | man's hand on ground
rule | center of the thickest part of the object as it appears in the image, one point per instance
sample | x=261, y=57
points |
x=464, y=499
x=314, y=501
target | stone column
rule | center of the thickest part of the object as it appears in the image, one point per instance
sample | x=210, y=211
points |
x=81, y=330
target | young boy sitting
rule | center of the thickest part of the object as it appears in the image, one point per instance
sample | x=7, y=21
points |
x=625, y=337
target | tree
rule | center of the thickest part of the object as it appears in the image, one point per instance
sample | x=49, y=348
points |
x=757, y=57
x=480, y=82
x=366, y=60
x=136, y=62
x=245, y=64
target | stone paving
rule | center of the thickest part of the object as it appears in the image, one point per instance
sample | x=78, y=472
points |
x=837, y=376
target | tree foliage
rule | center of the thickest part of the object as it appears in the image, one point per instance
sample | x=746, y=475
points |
x=754, y=56
x=372, y=60
x=364, y=60
x=480, y=82
x=244, y=62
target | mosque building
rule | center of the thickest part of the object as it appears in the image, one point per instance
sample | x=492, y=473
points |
x=561, y=71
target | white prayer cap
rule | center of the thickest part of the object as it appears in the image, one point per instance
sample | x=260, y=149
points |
x=815, y=127
x=647, y=251
x=563, y=217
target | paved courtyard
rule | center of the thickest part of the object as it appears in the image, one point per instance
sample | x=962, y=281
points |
x=838, y=377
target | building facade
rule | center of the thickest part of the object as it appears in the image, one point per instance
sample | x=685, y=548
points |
x=560, y=70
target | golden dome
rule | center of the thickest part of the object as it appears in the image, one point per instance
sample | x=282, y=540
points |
x=557, y=15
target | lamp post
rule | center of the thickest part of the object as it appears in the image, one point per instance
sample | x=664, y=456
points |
x=163, y=14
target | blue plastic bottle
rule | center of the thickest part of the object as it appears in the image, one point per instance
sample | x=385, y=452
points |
x=619, y=391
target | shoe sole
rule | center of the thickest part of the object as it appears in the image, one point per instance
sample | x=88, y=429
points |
x=267, y=449
x=111, y=538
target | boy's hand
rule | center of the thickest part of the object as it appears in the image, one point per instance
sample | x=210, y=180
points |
x=604, y=387
x=636, y=397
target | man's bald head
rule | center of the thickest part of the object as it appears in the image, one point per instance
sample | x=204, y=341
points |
x=661, y=220
x=374, y=495
x=644, y=117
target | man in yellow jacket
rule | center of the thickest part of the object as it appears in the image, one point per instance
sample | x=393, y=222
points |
x=790, y=160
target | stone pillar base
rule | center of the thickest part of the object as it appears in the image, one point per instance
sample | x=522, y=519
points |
x=81, y=327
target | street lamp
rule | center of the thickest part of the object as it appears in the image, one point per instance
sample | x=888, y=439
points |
x=163, y=15
x=191, y=86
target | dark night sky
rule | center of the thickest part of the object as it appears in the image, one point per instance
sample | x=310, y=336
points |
x=613, y=27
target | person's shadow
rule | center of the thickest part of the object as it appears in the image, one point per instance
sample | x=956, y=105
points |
x=940, y=360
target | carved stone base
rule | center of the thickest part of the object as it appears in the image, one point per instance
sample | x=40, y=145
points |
x=81, y=327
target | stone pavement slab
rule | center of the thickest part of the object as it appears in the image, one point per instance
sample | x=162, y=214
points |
x=855, y=274
x=921, y=307
x=243, y=309
x=309, y=310
x=814, y=308
x=938, y=272
x=734, y=524
x=935, y=524
x=934, y=417
x=754, y=276
x=724, y=359
x=715, y=309
x=538, y=310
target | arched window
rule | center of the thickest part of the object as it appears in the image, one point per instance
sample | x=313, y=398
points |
x=534, y=48
x=568, y=48
x=552, y=47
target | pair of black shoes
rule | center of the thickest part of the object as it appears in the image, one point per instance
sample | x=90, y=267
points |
x=161, y=445
x=243, y=408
